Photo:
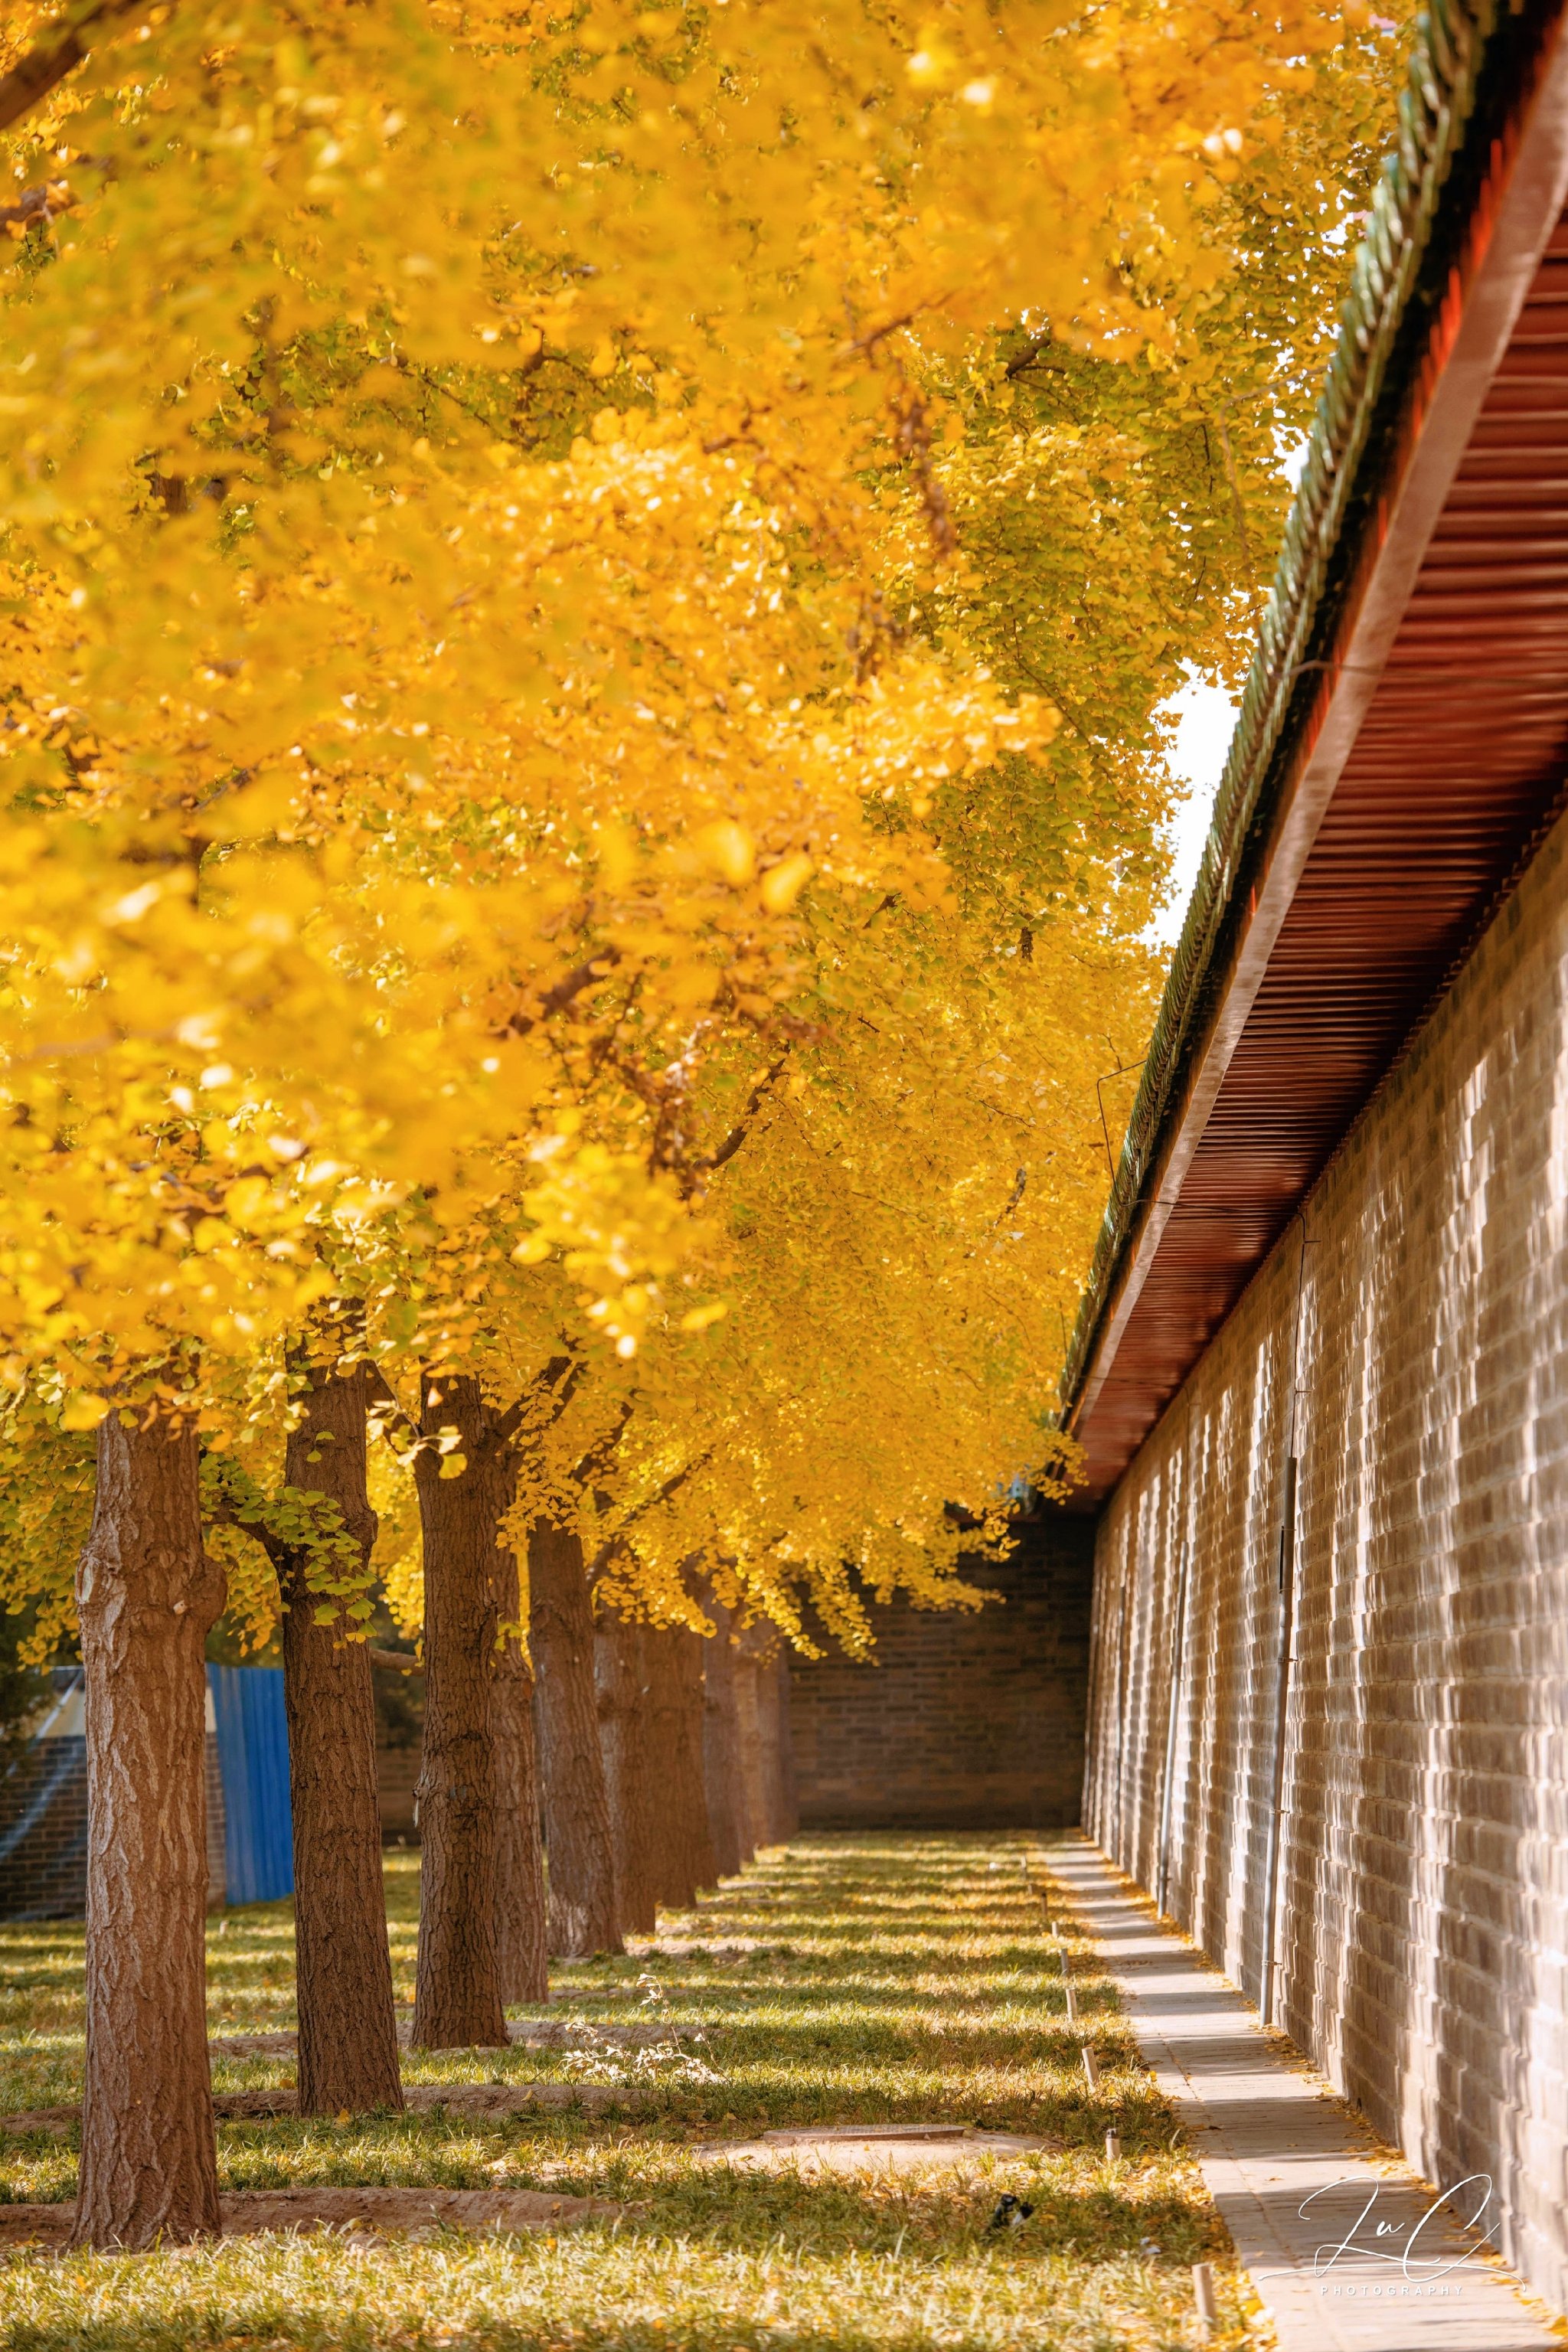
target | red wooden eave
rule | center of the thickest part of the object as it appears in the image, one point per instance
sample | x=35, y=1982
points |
x=1438, y=749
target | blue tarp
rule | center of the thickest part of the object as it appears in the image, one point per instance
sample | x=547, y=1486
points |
x=252, y=1755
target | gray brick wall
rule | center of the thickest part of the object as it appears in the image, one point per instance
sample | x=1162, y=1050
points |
x=43, y=1831
x=964, y=1721
x=1420, y=1307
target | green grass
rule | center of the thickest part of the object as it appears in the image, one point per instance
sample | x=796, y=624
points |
x=896, y=1979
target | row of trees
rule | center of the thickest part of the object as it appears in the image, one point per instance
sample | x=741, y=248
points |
x=588, y=598
x=665, y=1763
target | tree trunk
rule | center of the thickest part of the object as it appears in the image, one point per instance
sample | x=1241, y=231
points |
x=348, y=2033
x=770, y=1732
x=579, y=1848
x=621, y=1676
x=721, y=1761
x=748, y=1719
x=148, y=1595
x=789, y=1791
x=457, y=2002
x=683, y=1845
x=522, y=1945
x=520, y=1938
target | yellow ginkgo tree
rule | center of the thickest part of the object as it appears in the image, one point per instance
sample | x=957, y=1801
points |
x=552, y=780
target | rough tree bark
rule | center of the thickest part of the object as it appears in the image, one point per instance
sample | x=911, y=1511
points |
x=579, y=1847
x=520, y=1940
x=770, y=1738
x=348, y=2031
x=61, y=48
x=789, y=1791
x=457, y=1999
x=620, y=1675
x=722, y=1761
x=522, y=1944
x=749, y=1731
x=683, y=1849
x=147, y=1595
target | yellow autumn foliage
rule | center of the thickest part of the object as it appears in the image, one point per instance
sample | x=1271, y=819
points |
x=586, y=595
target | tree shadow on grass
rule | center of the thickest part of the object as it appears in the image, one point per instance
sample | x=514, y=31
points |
x=731, y=2263
x=927, y=1996
x=945, y=2213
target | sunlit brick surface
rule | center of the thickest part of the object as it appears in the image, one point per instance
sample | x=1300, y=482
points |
x=1423, y=1911
x=963, y=1722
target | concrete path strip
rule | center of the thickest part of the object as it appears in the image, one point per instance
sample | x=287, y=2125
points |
x=1372, y=2263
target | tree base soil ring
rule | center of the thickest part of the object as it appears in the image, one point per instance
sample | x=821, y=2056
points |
x=418, y=2099
x=518, y=2098
x=373, y=2212
x=677, y=1948
x=523, y=2033
x=254, y=2045
x=873, y=2147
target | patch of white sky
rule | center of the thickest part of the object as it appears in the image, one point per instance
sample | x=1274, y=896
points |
x=1206, y=721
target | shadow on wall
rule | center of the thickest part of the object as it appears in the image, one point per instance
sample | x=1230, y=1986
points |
x=965, y=1720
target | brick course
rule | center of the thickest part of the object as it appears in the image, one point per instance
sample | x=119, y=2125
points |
x=43, y=1872
x=1419, y=1309
x=964, y=1721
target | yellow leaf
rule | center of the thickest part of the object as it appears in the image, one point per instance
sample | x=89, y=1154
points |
x=934, y=65
x=781, y=885
x=83, y=1411
x=453, y=1464
x=247, y=1200
x=727, y=849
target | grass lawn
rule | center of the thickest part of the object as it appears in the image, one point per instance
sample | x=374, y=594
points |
x=879, y=1978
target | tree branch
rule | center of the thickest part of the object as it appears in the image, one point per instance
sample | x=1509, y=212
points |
x=560, y=1376
x=40, y=203
x=375, y=1382
x=63, y=48
x=1014, y=1197
x=742, y=1126
x=672, y=1485
x=1030, y=352
x=559, y=1380
x=276, y=1550
x=556, y=999
x=599, y=1453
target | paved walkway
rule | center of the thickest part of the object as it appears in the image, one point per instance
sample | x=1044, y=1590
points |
x=1268, y=2136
